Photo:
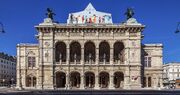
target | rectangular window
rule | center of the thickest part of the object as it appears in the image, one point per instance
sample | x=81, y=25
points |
x=147, y=61
x=31, y=61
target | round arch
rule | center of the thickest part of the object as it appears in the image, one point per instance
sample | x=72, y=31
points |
x=60, y=79
x=75, y=52
x=75, y=79
x=89, y=79
x=89, y=52
x=118, y=79
x=60, y=51
x=104, y=52
x=118, y=52
x=103, y=79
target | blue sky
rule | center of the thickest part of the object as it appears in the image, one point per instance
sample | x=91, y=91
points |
x=160, y=17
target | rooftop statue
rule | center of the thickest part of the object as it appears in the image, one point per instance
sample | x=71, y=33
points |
x=89, y=16
x=50, y=13
x=129, y=13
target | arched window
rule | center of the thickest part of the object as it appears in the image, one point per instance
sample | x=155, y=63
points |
x=89, y=53
x=118, y=79
x=89, y=79
x=60, y=52
x=60, y=79
x=75, y=79
x=119, y=52
x=104, y=79
x=75, y=53
x=104, y=52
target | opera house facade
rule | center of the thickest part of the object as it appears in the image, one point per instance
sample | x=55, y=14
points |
x=89, y=52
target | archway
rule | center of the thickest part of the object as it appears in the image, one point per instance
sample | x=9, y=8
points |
x=103, y=79
x=75, y=52
x=60, y=79
x=118, y=79
x=30, y=81
x=89, y=53
x=89, y=79
x=75, y=79
x=104, y=52
x=60, y=52
x=119, y=52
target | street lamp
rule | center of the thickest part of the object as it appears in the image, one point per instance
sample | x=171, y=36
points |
x=2, y=28
x=3, y=82
x=12, y=79
x=177, y=28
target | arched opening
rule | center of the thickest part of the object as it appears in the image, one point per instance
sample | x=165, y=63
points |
x=75, y=53
x=89, y=79
x=60, y=79
x=103, y=79
x=104, y=52
x=119, y=52
x=118, y=79
x=75, y=79
x=89, y=53
x=30, y=81
x=60, y=52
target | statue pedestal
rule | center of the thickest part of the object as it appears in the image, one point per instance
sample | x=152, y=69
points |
x=132, y=21
x=47, y=21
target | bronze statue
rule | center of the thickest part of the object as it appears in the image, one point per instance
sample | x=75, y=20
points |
x=129, y=13
x=50, y=14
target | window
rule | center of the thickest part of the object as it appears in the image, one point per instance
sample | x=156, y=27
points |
x=147, y=61
x=31, y=61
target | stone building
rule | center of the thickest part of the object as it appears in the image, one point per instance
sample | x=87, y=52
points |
x=89, y=52
x=171, y=72
x=7, y=69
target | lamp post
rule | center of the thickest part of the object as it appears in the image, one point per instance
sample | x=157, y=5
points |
x=3, y=82
x=12, y=80
x=177, y=28
x=2, y=28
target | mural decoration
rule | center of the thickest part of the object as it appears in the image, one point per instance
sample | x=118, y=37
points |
x=89, y=15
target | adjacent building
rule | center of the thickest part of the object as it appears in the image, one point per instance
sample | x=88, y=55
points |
x=171, y=73
x=89, y=52
x=7, y=69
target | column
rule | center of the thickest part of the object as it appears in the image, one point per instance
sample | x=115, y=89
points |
x=82, y=82
x=111, y=55
x=82, y=54
x=67, y=54
x=67, y=62
x=67, y=81
x=97, y=54
x=111, y=84
x=96, y=82
x=31, y=82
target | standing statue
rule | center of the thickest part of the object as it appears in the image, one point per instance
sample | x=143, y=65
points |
x=50, y=14
x=129, y=13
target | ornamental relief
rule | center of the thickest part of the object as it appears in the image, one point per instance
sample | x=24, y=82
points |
x=47, y=44
x=30, y=53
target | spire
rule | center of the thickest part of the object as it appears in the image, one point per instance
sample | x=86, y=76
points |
x=90, y=7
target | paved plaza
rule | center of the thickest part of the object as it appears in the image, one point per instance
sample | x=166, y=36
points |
x=12, y=91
